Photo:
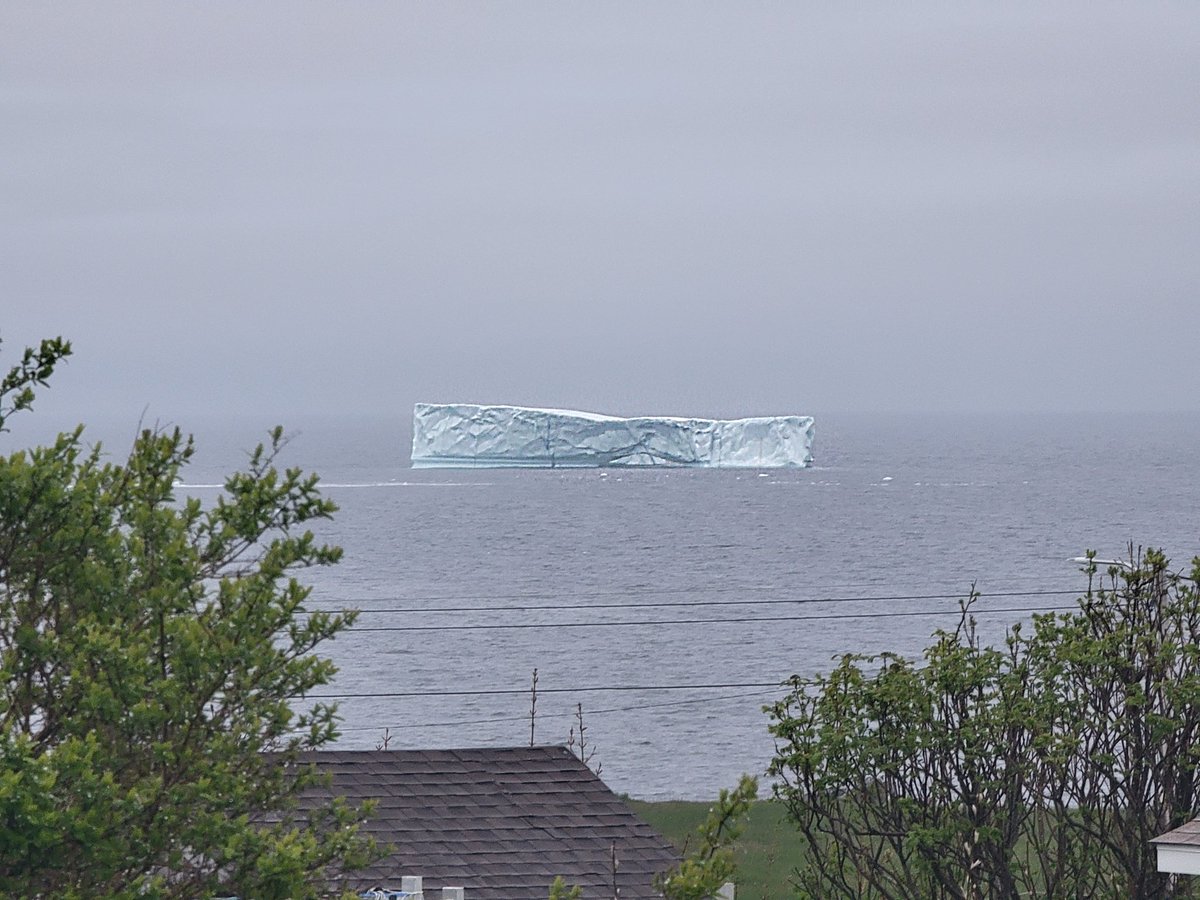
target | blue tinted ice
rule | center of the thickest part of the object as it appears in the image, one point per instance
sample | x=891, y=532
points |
x=461, y=434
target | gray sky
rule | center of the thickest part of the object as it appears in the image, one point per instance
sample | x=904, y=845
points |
x=276, y=208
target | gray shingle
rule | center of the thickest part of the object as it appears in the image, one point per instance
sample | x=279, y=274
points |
x=502, y=822
x=1187, y=834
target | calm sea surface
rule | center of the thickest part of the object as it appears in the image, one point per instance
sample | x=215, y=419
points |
x=895, y=507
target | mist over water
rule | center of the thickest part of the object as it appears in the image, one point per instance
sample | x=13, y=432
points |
x=688, y=209
x=895, y=507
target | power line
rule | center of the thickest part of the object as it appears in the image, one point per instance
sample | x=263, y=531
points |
x=732, y=620
x=716, y=589
x=544, y=715
x=492, y=692
x=648, y=589
x=692, y=603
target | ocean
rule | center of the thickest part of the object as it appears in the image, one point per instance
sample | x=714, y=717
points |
x=667, y=605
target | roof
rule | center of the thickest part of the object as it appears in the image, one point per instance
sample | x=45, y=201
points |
x=501, y=822
x=1187, y=834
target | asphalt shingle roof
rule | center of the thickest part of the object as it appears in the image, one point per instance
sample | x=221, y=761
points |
x=501, y=822
x=1188, y=833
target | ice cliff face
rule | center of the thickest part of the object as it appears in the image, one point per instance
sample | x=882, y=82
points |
x=460, y=435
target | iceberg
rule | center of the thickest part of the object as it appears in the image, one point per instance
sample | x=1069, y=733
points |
x=462, y=435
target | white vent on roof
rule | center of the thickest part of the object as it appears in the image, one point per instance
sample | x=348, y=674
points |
x=411, y=889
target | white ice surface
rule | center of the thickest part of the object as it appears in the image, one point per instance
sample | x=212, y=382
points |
x=463, y=435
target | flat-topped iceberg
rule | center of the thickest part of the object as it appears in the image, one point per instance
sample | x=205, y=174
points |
x=463, y=435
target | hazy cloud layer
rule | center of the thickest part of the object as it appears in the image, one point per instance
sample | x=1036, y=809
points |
x=273, y=208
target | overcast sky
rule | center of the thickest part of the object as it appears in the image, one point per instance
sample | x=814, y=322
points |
x=282, y=208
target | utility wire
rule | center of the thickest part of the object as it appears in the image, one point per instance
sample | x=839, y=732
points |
x=643, y=592
x=492, y=692
x=546, y=715
x=671, y=604
x=732, y=620
x=649, y=589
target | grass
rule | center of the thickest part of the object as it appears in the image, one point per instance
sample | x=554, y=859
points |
x=766, y=853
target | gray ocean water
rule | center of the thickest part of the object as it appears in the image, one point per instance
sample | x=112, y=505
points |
x=896, y=507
